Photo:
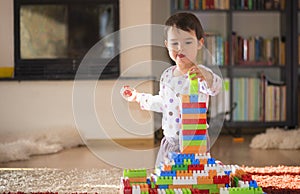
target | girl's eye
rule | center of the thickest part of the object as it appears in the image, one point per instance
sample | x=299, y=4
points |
x=189, y=42
x=174, y=43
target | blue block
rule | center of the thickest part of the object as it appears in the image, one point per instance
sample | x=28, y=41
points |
x=148, y=181
x=195, y=161
x=194, y=137
x=178, y=161
x=163, y=186
x=253, y=184
x=168, y=173
x=173, y=155
x=211, y=161
x=227, y=172
x=193, y=110
x=186, y=156
x=194, y=98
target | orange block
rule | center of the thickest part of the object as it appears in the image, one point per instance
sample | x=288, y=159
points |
x=181, y=173
x=194, y=149
x=138, y=180
x=167, y=167
x=212, y=173
x=185, y=98
x=203, y=161
x=204, y=180
x=193, y=116
x=144, y=187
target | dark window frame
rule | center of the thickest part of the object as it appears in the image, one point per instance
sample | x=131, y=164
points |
x=59, y=69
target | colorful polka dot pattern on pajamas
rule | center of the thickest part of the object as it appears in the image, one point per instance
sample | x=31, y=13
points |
x=168, y=102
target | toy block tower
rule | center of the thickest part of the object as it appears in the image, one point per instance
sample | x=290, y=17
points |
x=193, y=118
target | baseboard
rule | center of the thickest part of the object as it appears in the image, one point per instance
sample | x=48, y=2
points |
x=133, y=143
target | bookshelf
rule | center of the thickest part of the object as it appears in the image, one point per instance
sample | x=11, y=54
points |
x=258, y=60
x=296, y=54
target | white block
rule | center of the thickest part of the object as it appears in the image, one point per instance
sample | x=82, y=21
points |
x=224, y=191
x=184, y=181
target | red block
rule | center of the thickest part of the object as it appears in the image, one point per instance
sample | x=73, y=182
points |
x=127, y=187
x=153, y=191
x=221, y=179
x=194, y=105
x=195, y=167
x=193, y=132
x=193, y=121
x=246, y=177
x=200, y=191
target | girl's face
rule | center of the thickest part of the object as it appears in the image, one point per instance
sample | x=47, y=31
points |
x=183, y=47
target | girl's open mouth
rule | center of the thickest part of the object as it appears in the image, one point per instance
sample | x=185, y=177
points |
x=181, y=55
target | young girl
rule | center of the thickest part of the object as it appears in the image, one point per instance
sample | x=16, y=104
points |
x=184, y=37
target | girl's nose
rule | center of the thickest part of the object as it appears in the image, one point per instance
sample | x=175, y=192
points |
x=180, y=47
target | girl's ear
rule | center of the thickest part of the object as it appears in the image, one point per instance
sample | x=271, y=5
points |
x=166, y=44
x=200, y=43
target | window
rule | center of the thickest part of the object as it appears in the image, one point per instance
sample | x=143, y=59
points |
x=53, y=36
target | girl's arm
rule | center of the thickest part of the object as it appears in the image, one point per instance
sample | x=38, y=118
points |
x=146, y=101
x=213, y=81
x=150, y=102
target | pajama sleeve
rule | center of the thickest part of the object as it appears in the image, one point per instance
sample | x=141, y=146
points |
x=216, y=85
x=150, y=102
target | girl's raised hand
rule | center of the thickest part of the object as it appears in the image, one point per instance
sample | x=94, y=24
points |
x=128, y=93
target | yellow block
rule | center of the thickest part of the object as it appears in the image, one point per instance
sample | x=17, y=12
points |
x=6, y=72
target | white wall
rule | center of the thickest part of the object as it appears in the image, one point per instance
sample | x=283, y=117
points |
x=42, y=105
x=6, y=33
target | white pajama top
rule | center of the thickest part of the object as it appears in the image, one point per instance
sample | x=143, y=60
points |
x=168, y=100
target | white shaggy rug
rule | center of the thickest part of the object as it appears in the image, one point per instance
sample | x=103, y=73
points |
x=45, y=180
x=276, y=138
x=20, y=146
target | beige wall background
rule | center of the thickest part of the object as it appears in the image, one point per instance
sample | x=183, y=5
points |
x=45, y=105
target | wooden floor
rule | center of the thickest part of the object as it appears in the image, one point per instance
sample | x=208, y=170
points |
x=225, y=150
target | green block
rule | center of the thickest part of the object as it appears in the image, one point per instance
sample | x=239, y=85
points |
x=194, y=87
x=217, y=190
x=186, y=191
x=194, y=126
x=187, y=161
x=170, y=191
x=226, y=85
x=179, y=167
x=194, y=142
x=153, y=185
x=258, y=190
x=245, y=190
x=134, y=173
x=206, y=186
x=236, y=181
x=164, y=180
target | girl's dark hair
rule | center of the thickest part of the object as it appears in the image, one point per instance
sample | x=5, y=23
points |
x=186, y=22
